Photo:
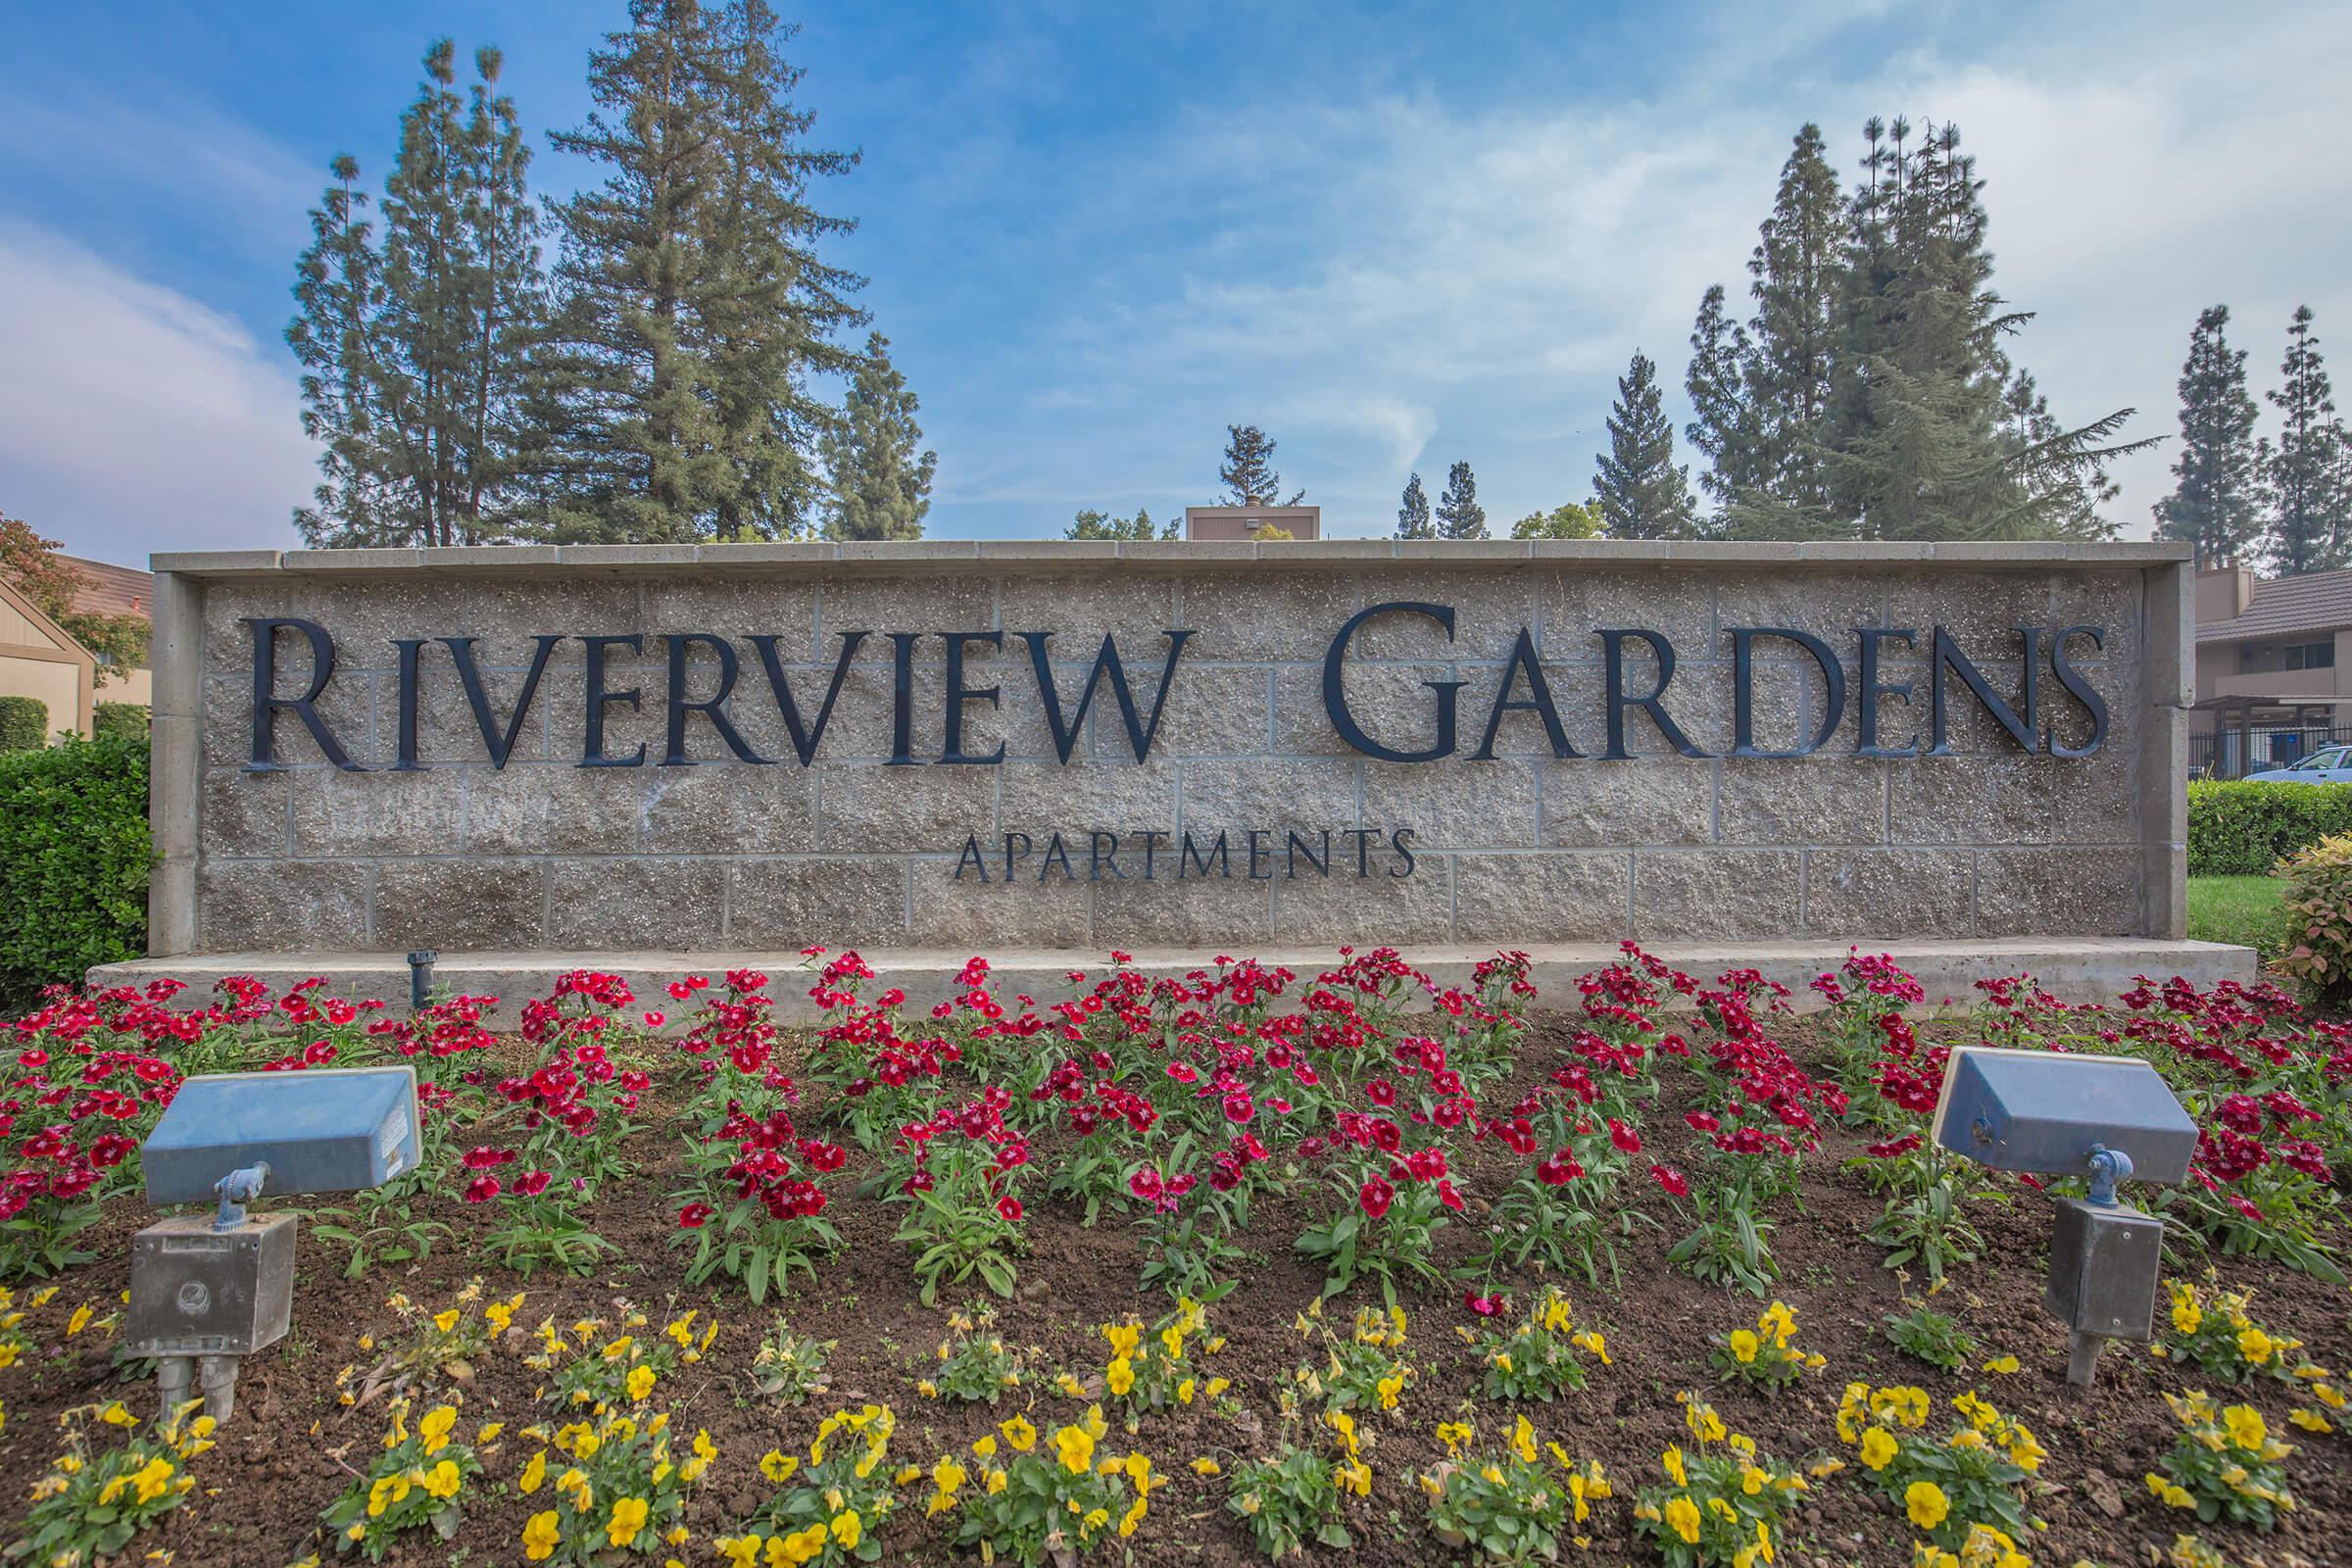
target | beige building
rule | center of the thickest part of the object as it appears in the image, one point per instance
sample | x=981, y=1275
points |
x=2274, y=668
x=111, y=590
x=37, y=659
x=1230, y=524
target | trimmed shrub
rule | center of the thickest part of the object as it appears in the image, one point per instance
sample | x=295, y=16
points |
x=2242, y=829
x=74, y=859
x=2319, y=913
x=120, y=721
x=23, y=723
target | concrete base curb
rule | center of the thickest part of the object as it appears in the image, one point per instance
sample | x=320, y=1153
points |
x=2073, y=968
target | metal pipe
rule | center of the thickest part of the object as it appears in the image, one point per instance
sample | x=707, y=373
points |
x=421, y=977
x=173, y=1376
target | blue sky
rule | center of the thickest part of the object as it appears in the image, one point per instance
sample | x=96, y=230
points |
x=1394, y=236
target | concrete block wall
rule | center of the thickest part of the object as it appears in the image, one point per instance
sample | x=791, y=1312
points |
x=853, y=851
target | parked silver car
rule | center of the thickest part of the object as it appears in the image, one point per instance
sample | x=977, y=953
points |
x=2331, y=765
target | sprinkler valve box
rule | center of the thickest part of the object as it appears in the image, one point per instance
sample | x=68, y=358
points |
x=197, y=1291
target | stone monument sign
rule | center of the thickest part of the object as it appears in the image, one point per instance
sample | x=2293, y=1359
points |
x=1213, y=745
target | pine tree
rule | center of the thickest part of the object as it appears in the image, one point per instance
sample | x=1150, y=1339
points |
x=1567, y=520
x=693, y=302
x=2215, y=503
x=1247, y=469
x=1460, y=515
x=1917, y=447
x=1091, y=525
x=1642, y=493
x=881, y=488
x=1796, y=271
x=415, y=347
x=1869, y=396
x=338, y=282
x=1412, y=518
x=2074, y=495
x=2304, y=477
x=1723, y=425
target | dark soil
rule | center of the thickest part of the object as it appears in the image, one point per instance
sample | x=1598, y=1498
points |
x=291, y=1446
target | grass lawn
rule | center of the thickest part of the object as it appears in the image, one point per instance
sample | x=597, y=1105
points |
x=2238, y=908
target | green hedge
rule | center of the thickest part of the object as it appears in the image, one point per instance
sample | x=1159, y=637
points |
x=120, y=721
x=2243, y=829
x=23, y=723
x=74, y=859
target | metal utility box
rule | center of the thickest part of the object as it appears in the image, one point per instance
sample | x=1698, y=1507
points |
x=2103, y=1262
x=324, y=1130
x=2044, y=1111
x=197, y=1291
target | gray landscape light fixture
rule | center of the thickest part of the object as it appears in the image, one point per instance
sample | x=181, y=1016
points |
x=2104, y=1118
x=206, y=1290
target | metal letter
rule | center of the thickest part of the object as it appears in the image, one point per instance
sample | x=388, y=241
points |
x=501, y=743
x=1744, y=728
x=1539, y=701
x=592, y=750
x=1139, y=734
x=805, y=738
x=675, y=755
x=266, y=701
x=1866, y=723
x=952, y=753
x=1334, y=688
x=1947, y=655
x=2078, y=687
x=1612, y=645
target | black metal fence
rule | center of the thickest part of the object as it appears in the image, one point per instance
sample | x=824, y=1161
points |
x=2235, y=753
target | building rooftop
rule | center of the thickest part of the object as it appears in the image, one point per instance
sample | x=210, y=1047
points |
x=111, y=590
x=2284, y=607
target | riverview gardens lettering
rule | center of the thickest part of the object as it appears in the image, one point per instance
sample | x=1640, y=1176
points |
x=1525, y=689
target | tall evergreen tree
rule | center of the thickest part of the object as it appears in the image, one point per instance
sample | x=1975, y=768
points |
x=1642, y=493
x=1092, y=524
x=2304, y=474
x=1724, y=424
x=2216, y=499
x=1460, y=515
x=693, y=302
x=881, y=487
x=1869, y=396
x=338, y=282
x=1412, y=516
x=1247, y=469
x=415, y=349
x=1917, y=443
x=1797, y=272
x=2076, y=495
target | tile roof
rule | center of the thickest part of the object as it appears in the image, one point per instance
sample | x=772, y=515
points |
x=2313, y=601
x=111, y=590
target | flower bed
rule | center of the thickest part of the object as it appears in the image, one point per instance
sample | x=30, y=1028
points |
x=1174, y=1271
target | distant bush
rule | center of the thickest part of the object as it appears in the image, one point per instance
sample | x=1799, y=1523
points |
x=74, y=861
x=120, y=721
x=2244, y=829
x=2319, y=913
x=23, y=723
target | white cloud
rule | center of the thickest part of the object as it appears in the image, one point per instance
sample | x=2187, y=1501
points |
x=135, y=419
x=1381, y=269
